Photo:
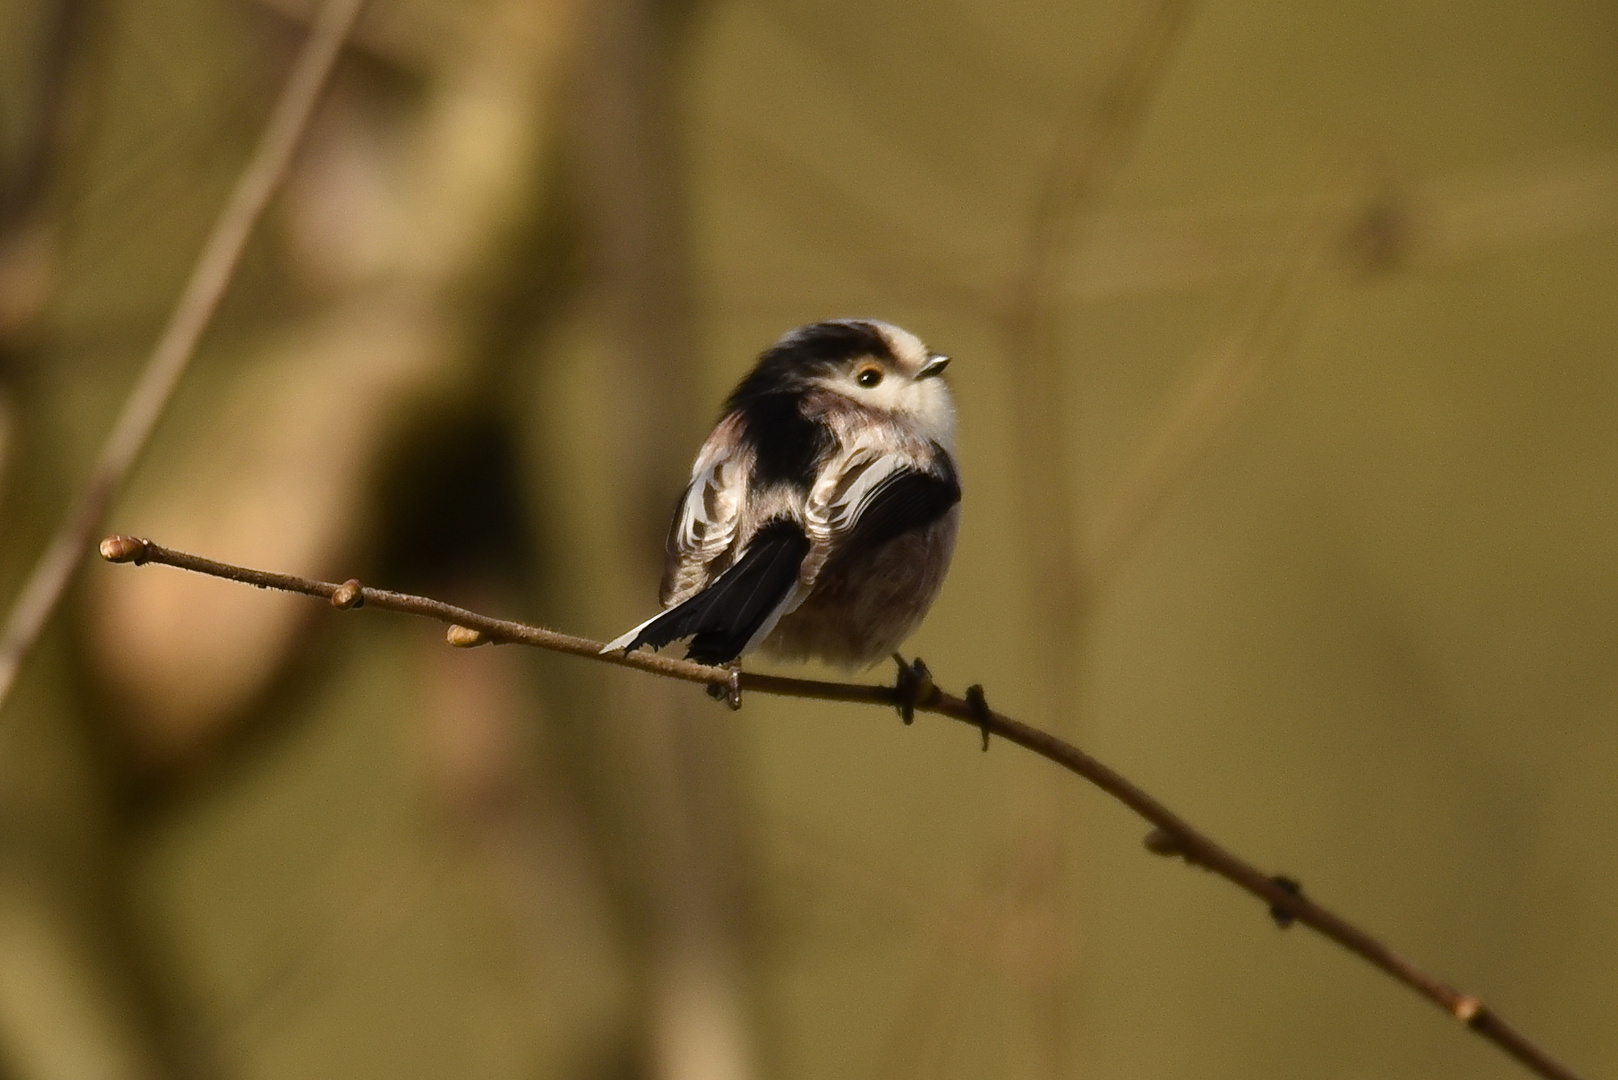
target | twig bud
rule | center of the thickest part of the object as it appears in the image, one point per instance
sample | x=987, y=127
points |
x=350, y=594
x=1164, y=843
x=464, y=637
x=122, y=549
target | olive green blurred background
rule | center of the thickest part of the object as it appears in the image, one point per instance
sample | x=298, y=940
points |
x=1360, y=620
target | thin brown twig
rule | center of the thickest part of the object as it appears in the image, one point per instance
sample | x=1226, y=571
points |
x=1171, y=834
x=214, y=269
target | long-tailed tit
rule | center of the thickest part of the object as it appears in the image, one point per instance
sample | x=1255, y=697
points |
x=822, y=511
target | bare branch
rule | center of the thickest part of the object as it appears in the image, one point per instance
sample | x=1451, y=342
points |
x=215, y=267
x=1171, y=834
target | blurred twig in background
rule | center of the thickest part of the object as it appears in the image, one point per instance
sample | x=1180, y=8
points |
x=1087, y=157
x=678, y=810
x=1171, y=836
x=1416, y=227
x=405, y=227
x=193, y=311
x=1219, y=384
x=27, y=248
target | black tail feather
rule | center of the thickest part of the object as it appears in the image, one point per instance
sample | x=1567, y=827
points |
x=722, y=618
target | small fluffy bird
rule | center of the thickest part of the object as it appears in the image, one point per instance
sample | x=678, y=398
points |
x=822, y=511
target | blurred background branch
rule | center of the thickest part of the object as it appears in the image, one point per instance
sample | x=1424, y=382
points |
x=1082, y=167
x=194, y=310
x=27, y=246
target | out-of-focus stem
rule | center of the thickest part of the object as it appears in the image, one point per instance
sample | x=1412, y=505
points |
x=210, y=277
x=1088, y=155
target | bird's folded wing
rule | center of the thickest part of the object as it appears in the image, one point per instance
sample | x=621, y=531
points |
x=704, y=526
x=875, y=494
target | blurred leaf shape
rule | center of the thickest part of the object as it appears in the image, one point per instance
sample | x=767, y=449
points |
x=274, y=467
x=396, y=217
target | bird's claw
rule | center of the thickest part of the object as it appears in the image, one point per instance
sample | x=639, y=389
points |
x=1284, y=918
x=914, y=686
x=729, y=691
x=980, y=711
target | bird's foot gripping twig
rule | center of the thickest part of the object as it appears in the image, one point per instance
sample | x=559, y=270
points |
x=1284, y=918
x=730, y=691
x=980, y=710
x=914, y=687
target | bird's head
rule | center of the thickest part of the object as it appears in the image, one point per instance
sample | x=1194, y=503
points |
x=874, y=364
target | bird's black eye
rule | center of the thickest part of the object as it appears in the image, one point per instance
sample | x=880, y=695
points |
x=869, y=376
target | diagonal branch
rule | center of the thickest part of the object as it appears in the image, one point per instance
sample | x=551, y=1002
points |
x=1171, y=834
x=194, y=310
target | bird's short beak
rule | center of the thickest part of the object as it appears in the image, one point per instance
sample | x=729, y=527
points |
x=935, y=366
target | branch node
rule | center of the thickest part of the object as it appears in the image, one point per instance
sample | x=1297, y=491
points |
x=351, y=594
x=1283, y=917
x=125, y=549
x=461, y=637
x=1467, y=1009
x=1164, y=843
x=914, y=686
x=980, y=709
